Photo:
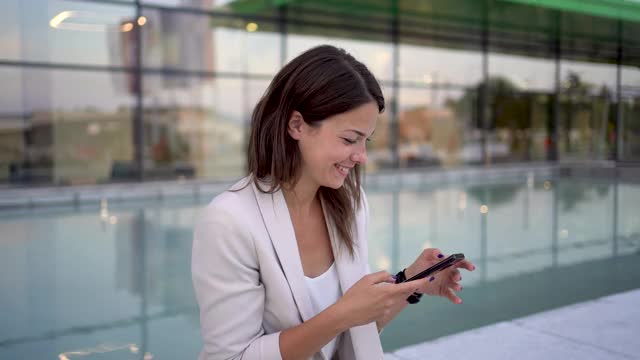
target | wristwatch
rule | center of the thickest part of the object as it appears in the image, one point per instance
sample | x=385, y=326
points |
x=413, y=298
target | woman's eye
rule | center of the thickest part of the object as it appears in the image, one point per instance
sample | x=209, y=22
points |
x=349, y=141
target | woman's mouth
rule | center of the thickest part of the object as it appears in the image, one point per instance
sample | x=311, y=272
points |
x=343, y=170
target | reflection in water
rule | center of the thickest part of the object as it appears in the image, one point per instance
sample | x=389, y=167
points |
x=137, y=270
x=102, y=349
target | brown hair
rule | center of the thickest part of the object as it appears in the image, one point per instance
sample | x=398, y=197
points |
x=322, y=82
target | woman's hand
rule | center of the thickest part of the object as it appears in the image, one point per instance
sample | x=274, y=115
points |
x=445, y=283
x=373, y=297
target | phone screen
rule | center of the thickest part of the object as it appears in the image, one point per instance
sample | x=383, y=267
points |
x=451, y=260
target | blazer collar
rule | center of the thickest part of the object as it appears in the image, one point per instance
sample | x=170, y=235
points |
x=277, y=220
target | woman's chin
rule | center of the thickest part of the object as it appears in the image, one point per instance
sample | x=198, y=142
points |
x=333, y=181
x=336, y=183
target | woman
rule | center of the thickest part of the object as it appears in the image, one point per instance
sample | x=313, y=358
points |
x=279, y=262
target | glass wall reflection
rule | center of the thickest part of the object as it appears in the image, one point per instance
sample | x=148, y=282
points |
x=71, y=32
x=587, y=111
x=437, y=128
x=377, y=56
x=630, y=113
x=205, y=43
x=197, y=126
x=465, y=83
x=519, y=105
x=58, y=132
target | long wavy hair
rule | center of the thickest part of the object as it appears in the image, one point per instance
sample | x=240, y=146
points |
x=322, y=82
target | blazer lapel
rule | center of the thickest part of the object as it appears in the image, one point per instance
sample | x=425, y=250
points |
x=277, y=220
x=349, y=270
x=365, y=339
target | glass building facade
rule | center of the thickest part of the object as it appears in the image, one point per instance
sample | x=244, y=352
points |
x=106, y=91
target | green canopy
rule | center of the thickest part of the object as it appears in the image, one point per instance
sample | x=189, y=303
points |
x=628, y=10
x=590, y=30
x=616, y=9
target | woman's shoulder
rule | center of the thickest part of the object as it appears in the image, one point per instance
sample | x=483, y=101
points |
x=234, y=202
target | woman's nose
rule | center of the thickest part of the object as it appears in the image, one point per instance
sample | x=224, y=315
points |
x=360, y=157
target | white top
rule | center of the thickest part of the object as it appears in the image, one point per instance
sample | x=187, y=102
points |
x=324, y=291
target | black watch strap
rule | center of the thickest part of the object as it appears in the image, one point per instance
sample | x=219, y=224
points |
x=413, y=298
x=400, y=277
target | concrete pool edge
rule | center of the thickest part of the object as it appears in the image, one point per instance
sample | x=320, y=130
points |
x=594, y=329
x=30, y=197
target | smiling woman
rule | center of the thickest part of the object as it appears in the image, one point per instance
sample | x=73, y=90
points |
x=288, y=243
x=308, y=232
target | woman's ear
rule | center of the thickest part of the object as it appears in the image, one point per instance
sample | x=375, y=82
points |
x=295, y=125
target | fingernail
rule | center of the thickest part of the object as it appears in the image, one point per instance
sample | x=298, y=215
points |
x=432, y=278
x=394, y=277
x=440, y=256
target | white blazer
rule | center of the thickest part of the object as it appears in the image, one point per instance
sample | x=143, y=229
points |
x=249, y=281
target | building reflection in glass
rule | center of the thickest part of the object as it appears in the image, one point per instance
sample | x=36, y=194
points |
x=106, y=92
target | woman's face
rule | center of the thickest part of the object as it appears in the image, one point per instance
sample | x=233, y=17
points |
x=331, y=150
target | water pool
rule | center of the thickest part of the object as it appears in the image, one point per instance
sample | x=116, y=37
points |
x=113, y=281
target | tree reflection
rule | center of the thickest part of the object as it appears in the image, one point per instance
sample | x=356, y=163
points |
x=495, y=195
x=571, y=193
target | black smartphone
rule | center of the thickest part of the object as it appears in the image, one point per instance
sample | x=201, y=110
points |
x=451, y=260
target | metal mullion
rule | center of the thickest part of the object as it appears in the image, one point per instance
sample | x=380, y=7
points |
x=552, y=128
x=138, y=125
x=338, y=14
x=124, y=69
x=464, y=39
x=213, y=13
x=205, y=74
x=422, y=86
x=108, y=2
x=533, y=51
x=484, y=89
x=619, y=144
x=354, y=28
x=63, y=66
x=283, y=14
x=394, y=123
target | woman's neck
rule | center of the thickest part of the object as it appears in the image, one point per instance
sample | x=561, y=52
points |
x=301, y=198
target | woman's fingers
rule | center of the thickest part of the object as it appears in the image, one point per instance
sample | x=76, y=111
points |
x=452, y=297
x=432, y=254
x=411, y=286
x=455, y=275
x=466, y=264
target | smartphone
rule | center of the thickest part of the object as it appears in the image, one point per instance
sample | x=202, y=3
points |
x=451, y=260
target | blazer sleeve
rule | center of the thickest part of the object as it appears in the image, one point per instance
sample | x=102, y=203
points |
x=226, y=280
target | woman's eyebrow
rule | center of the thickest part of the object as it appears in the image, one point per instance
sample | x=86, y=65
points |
x=360, y=132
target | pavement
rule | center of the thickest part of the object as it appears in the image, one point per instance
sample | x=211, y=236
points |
x=604, y=328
